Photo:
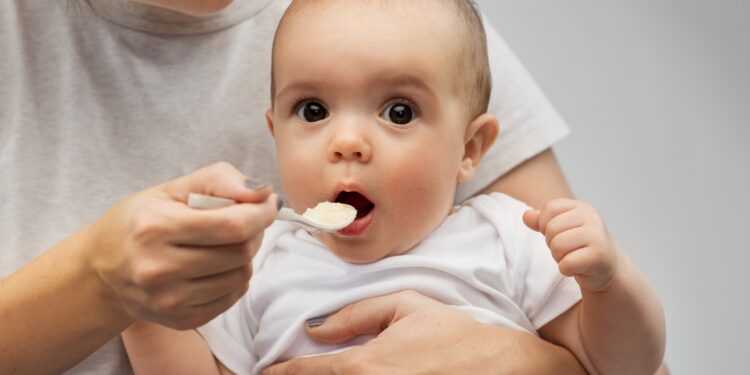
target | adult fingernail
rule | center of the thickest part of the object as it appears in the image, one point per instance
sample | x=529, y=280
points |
x=279, y=202
x=254, y=184
x=315, y=322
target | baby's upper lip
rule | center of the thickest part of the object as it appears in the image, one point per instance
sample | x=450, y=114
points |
x=350, y=187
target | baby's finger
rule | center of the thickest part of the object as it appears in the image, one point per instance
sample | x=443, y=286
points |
x=567, y=242
x=576, y=262
x=554, y=208
x=565, y=221
x=531, y=219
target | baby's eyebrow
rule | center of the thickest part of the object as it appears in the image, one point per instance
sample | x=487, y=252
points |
x=385, y=80
x=306, y=86
x=403, y=80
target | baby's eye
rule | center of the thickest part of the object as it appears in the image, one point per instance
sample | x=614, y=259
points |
x=311, y=111
x=399, y=113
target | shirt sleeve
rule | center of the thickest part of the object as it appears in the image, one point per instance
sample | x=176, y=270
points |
x=543, y=292
x=528, y=122
x=230, y=337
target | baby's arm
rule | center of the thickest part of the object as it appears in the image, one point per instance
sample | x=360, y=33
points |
x=155, y=349
x=619, y=325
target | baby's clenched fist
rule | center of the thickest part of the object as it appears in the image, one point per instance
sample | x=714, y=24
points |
x=578, y=240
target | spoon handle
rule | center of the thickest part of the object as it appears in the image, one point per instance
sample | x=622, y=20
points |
x=287, y=214
x=208, y=202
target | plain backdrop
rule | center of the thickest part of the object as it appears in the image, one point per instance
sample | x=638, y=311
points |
x=657, y=94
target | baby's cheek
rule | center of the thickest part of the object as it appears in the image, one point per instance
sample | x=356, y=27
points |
x=298, y=175
x=419, y=192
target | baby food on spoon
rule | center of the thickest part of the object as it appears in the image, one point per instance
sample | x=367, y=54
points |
x=331, y=213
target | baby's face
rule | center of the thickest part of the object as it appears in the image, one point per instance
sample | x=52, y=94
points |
x=366, y=113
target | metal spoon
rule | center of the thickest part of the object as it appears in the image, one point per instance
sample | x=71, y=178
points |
x=307, y=221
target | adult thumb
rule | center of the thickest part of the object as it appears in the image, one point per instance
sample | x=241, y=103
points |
x=370, y=316
x=221, y=180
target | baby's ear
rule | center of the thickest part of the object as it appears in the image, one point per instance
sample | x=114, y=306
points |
x=480, y=135
x=269, y=120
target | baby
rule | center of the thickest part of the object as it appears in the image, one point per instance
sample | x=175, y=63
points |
x=382, y=105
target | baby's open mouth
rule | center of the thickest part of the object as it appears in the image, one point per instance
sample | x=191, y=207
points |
x=356, y=200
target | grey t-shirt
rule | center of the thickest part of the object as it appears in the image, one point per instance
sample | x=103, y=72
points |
x=103, y=98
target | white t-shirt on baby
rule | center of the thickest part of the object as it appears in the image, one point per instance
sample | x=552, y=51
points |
x=481, y=260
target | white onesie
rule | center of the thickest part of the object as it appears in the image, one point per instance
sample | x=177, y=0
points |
x=481, y=260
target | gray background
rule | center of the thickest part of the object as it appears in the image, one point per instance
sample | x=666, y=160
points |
x=656, y=93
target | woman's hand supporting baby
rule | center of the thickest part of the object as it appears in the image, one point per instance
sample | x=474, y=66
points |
x=619, y=325
x=149, y=257
x=418, y=335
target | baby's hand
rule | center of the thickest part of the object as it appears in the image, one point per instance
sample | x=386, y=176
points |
x=579, y=241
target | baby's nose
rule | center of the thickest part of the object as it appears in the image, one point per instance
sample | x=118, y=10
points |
x=350, y=144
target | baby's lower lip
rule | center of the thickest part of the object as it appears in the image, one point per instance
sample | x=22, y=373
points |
x=358, y=226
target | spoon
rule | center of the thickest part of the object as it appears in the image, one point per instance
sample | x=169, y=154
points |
x=326, y=216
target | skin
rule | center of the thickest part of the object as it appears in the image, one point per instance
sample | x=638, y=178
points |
x=356, y=147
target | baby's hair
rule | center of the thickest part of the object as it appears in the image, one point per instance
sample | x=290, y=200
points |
x=474, y=80
x=472, y=60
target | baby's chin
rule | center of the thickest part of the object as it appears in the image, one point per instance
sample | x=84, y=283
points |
x=362, y=252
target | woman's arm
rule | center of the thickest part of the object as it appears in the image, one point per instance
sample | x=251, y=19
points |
x=535, y=181
x=56, y=311
x=148, y=258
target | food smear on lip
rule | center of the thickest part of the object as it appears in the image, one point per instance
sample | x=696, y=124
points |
x=331, y=214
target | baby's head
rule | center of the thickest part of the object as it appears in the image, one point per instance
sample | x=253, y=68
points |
x=380, y=104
